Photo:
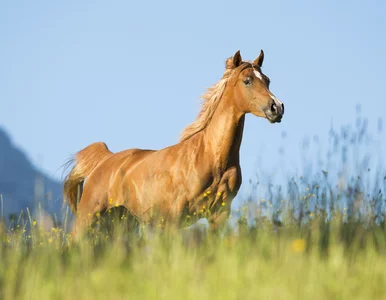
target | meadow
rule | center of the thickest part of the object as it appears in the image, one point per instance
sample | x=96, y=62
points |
x=320, y=234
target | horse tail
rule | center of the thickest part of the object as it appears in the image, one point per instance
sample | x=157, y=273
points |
x=85, y=161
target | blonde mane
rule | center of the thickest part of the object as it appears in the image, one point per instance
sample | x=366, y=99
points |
x=210, y=101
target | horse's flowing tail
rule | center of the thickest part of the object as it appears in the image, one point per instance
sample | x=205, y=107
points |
x=85, y=161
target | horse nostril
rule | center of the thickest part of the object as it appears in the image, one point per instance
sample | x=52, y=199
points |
x=273, y=108
x=282, y=108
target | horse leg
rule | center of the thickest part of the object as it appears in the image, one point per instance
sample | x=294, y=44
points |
x=86, y=212
x=221, y=208
x=218, y=220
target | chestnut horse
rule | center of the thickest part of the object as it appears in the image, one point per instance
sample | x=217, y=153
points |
x=197, y=177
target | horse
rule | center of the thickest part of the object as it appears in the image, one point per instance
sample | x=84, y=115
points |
x=197, y=177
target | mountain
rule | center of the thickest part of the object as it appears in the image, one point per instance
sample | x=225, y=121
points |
x=22, y=185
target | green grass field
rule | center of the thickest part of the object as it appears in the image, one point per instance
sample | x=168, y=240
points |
x=317, y=260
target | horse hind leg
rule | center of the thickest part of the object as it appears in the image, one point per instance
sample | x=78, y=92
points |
x=87, y=210
x=117, y=220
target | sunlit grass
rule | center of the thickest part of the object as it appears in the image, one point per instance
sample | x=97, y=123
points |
x=318, y=260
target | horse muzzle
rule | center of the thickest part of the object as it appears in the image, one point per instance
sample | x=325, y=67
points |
x=275, y=111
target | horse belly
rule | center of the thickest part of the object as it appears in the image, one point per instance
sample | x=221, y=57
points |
x=150, y=193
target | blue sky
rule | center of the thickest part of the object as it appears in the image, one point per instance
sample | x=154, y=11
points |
x=131, y=73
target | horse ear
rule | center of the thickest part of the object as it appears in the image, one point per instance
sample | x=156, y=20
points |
x=260, y=59
x=237, y=60
x=234, y=61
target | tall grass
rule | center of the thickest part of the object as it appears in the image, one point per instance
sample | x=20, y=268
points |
x=319, y=235
x=320, y=260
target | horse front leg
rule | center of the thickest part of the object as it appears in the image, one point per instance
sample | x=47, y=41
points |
x=218, y=220
x=221, y=209
x=226, y=192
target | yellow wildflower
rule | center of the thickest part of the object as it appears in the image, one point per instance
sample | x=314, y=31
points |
x=208, y=192
x=223, y=204
x=219, y=194
x=111, y=201
x=298, y=245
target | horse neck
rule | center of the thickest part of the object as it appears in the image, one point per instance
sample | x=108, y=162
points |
x=223, y=135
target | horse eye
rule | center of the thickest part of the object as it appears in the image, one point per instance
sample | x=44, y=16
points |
x=248, y=81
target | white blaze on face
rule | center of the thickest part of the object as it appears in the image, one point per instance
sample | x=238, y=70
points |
x=258, y=74
x=277, y=101
x=273, y=97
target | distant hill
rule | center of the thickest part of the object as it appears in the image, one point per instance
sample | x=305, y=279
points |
x=22, y=185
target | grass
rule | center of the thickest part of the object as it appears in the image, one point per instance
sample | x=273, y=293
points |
x=318, y=260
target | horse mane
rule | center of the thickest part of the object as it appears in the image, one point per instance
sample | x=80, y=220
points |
x=210, y=101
